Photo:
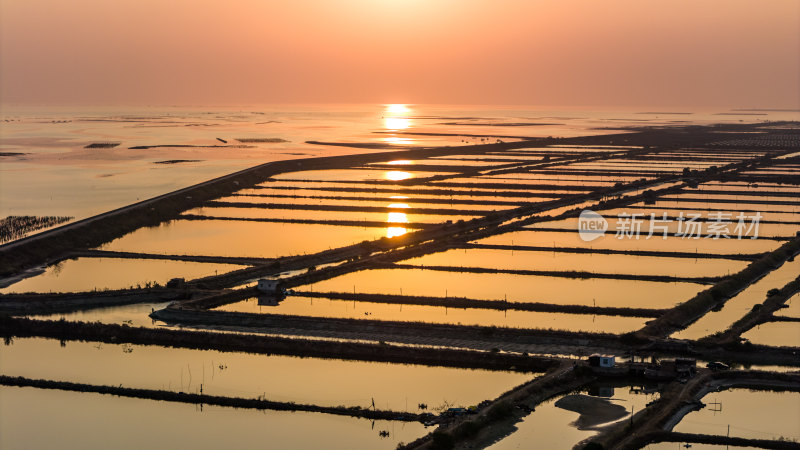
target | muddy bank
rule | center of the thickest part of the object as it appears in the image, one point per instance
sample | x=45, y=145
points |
x=177, y=161
x=147, y=147
x=593, y=410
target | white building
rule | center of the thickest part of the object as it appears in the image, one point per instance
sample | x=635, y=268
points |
x=268, y=286
x=597, y=360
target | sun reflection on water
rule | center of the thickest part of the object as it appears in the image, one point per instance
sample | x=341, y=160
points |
x=397, y=217
x=397, y=175
x=395, y=118
x=396, y=123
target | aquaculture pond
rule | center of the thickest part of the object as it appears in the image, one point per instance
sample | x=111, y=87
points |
x=586, y=262
x=741, y=304
x=792, y=308
x=735, y=407
x=551, y=425
x=88, y=274
x=96, y=421
x=779, y=334
x=240, y=238
x=398, y=387
x=335, y=308
x=519, y=288
x=135, y=314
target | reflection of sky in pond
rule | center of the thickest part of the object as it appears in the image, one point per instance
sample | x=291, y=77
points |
x=290, y=378
x=123, y=422
x=736, y=407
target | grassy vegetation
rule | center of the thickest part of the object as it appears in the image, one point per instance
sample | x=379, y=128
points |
x=15, y=227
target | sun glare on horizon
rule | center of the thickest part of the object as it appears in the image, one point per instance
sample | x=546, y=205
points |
x=395, y=117
x=397, y=108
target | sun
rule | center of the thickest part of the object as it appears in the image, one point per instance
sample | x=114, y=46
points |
x=397, y=108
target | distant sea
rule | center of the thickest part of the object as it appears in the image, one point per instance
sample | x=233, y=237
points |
x=83, y=161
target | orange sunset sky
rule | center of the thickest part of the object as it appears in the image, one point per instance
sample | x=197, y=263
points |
x=677, y=53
